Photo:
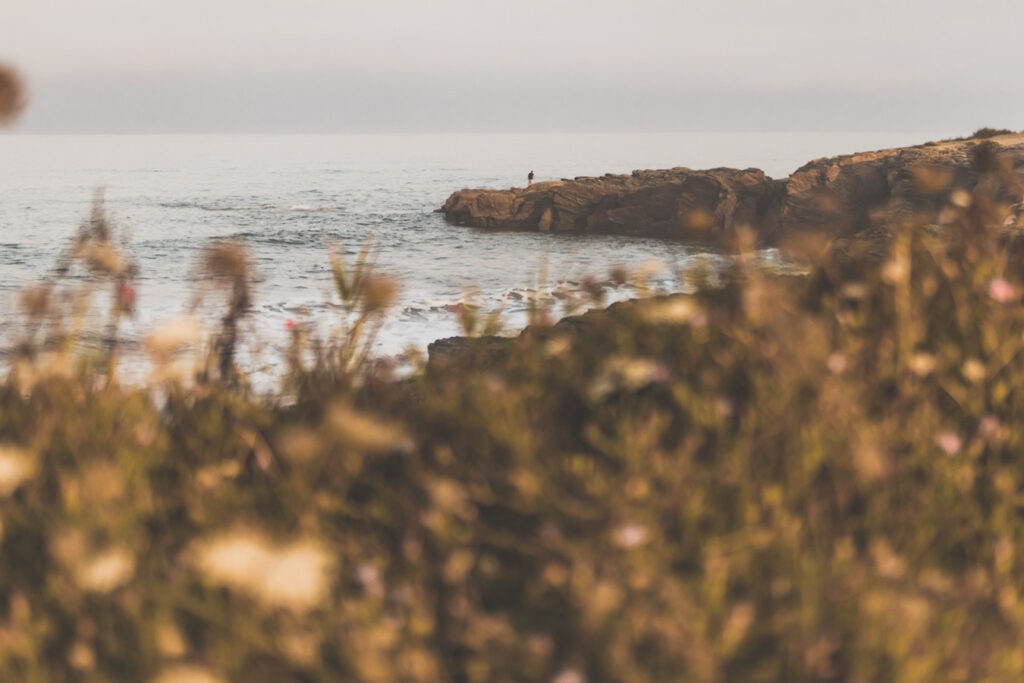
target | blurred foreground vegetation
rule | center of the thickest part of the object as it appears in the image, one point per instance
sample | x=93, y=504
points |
x=814, y=478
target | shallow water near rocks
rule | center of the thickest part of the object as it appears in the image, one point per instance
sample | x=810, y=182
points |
x=288, y=196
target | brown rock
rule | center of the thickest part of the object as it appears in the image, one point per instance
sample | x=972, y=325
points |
x=842, y=197
x=680, y=203
x=460, y=351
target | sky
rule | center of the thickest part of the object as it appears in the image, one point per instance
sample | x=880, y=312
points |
x=527, y=65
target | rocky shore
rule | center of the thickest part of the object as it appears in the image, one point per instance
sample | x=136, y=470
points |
x=848, y=196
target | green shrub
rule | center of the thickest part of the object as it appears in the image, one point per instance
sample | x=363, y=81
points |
x=980, y=134
x=987, y=132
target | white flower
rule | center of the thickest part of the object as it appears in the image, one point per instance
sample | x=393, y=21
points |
x=295, y=576
x=106, y=571
x=187, y=674
x=922, y=364
x=632, y=535
x=569, y=676
x=173, y=337
x=15, y=468
x=973, y=370
x=961, y=198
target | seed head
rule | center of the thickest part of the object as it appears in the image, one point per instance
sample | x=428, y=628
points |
x=12, y=95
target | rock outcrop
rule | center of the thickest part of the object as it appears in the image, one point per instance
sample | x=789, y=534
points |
x=843, y=196
x=679, y=203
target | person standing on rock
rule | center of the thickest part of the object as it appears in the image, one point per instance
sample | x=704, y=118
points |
x=529, y=178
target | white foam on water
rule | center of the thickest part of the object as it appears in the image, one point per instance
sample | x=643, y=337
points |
x=289, y=197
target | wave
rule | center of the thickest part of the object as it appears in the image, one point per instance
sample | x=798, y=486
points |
x=287, y=238
x=216, y=207
x=303, y=208
x=514, y=299
x=228, y=207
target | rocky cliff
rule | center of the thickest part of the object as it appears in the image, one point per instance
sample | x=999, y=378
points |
x=843, y=196
x=678, y=202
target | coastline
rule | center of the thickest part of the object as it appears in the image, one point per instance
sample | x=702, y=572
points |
x=841, y=197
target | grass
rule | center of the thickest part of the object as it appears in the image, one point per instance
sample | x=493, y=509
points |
x=987, y=132
x=983, y=133
x=812, y=478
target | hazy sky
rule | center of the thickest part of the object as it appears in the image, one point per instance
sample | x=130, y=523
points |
x=335, y=65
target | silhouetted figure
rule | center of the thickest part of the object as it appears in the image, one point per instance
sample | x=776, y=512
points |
x=529, y=179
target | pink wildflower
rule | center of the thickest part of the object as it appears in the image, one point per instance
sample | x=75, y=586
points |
x=632, y=535
x=1002, y=291
x=989, y=426
x=837, y=363
x=949, y=442
x=126, y=294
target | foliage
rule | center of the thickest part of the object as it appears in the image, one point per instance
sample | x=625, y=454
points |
x=987, y=132
x=12, y=94
x=982, y=133
x=780, y=478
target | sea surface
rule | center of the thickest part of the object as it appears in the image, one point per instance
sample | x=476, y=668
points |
x=287, y=197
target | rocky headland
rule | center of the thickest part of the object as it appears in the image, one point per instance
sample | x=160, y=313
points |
x=846, y=197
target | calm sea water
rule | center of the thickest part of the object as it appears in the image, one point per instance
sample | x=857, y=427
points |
x=287, y=197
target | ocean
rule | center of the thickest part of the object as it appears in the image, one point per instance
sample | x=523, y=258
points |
x=287, y=197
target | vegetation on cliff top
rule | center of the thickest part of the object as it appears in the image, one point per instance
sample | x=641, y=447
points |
x=987, y=132
x=982, y=133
